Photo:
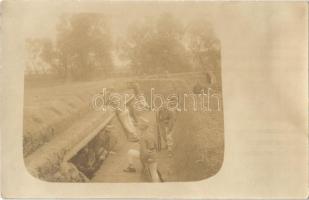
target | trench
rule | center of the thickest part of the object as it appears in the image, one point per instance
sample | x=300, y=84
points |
x=110, y=168
x=198, y=149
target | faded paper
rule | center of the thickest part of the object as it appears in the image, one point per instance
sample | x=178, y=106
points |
x=264, y=93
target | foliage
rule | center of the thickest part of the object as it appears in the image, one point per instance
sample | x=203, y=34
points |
x=83, y=45
x=35, y=62
x=203, y=44
x=155, y=46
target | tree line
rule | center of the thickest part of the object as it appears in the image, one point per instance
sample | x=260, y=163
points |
x=84, y=44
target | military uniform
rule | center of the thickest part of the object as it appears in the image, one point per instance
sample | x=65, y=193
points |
x=146, y=153
x=166, y=120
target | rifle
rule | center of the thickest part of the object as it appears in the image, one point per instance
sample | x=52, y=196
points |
x=158, y=138
x=160, y=175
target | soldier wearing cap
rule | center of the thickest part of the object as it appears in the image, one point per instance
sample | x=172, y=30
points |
x=146, y=153
x=166, y=118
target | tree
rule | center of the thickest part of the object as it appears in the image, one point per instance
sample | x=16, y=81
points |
x=203, y=44
x=155, y=46
x=35, y=52
x=83, y=45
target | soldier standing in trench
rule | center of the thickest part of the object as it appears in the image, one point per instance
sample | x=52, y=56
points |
x=146, y=153
x=139, y=95
x=125, y=117
x=165, y=118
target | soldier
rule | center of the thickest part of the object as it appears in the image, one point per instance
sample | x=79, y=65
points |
x=146, y=153
x=139, y=95
x=198, y=87
x=126, y=120
x=128, y=124
x=165, y=122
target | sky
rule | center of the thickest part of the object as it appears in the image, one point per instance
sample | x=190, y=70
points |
x=232, y=21
x=40, y=18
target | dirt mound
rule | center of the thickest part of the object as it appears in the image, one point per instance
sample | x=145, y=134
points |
x=42, y=123
x=199, y=145
x=50, y=111
x=48, y=159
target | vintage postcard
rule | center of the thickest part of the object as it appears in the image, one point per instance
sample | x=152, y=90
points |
x=154, y=99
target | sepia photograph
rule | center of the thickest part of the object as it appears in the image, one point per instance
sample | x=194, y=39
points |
x=127, y=93
x=154, y=99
